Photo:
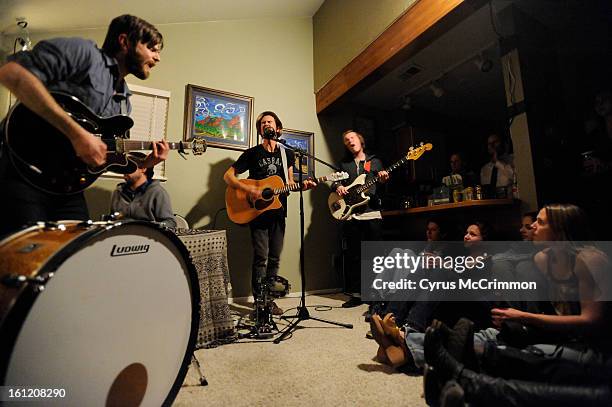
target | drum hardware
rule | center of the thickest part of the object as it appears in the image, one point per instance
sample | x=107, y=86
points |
x=17, y=280
x=270, y=288
x=50, y=225
x=29, y=248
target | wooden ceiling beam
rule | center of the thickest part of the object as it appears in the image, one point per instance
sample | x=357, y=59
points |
x=400, y=35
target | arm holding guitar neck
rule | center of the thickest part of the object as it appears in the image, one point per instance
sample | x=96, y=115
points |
x=33, y=94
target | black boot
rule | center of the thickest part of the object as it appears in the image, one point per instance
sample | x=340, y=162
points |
x=484, y=390
x=513, y=363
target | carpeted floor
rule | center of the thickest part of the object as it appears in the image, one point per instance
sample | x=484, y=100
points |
x=320, y=365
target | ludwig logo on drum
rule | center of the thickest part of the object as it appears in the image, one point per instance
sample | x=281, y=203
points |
x=128, y=250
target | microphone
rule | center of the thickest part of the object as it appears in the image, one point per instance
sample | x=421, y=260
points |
x=269, y=133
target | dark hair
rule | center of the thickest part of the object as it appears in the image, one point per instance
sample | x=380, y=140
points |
x=486, y=230
x=567, y=222
x=533, y=215
x=139, y=158
x=279, y=124
x=137, y=30
x=443, y=226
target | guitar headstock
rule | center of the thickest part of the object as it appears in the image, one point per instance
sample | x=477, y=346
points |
x=337, y=176
x=414, y=153
x=198, y=145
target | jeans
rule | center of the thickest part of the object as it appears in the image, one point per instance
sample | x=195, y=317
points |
x=354, y=232
x=23, y=204
x=267, y=236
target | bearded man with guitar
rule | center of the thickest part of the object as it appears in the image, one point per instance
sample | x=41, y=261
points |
x=365, y=224
x=76, y=67
x=266, y=159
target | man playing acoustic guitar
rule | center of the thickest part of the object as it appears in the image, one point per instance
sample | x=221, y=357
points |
x=95, y=76
x=268, y=229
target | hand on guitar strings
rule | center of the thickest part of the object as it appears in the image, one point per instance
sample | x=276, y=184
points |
x=341, y=190
x=253, y=192
x=308, y=184
x=159, y=153
x=383, y=176
x=90, y=149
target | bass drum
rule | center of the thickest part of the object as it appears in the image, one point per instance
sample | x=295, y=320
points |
x=97, y=314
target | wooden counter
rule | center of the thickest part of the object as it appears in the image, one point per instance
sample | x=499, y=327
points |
x=504, y=215
x=450, y=206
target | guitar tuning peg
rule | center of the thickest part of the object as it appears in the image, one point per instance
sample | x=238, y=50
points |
x=421, y=144
x=411, y=148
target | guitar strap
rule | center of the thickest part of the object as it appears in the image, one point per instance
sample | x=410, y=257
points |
x=124, y=111
x=284, y=160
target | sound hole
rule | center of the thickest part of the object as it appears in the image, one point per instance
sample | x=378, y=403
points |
x=267, y=193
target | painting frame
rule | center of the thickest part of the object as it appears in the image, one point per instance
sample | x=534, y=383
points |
x=207, y=115
x=305, y=141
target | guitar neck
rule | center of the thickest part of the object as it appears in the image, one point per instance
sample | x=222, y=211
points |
x=375, y=179
x=295, y=187
x=131, y=145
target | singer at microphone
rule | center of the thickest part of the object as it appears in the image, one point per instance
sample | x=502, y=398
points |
x=270, y=134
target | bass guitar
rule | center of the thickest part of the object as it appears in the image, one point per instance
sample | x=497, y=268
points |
x=241, y=209
x=342, y=207
x=45, y=158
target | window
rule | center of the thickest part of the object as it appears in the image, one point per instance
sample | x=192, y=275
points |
x=150, y=115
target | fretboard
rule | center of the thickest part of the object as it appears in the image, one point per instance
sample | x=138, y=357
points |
x=295, y=187
x=130, y=145
x=375, y=179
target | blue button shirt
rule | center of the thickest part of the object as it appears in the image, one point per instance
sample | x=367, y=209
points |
x=78, y=67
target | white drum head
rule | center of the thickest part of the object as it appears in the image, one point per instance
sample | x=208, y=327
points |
x=113, y=325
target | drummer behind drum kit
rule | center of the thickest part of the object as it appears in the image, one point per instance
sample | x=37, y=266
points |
x=102, y=313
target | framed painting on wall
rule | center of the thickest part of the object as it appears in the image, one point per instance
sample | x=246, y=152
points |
x=222, y=118
x=305, y=141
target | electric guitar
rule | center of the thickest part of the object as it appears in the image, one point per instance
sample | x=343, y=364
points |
x=45, y=158
x=241, y=209
x=341, y=207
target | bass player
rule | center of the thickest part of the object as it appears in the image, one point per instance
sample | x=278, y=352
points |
x=365, y=225
x=96, y=76
x=267, y=230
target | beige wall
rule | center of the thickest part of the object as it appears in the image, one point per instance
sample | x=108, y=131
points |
x=344, y=28
x=270, y=60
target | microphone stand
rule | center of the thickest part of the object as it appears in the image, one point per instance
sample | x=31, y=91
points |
x=302, y=310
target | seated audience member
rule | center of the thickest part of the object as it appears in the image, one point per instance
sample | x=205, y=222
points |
x=397, y=348
x=438, y=233
x=141, y=197
x=526, y=230
x=459, y=167
x=499, y=171
x=569, y=349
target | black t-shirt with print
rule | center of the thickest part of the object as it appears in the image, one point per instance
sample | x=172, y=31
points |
x=261, y=164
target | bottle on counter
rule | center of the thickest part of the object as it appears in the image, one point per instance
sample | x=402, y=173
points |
x=515, y=189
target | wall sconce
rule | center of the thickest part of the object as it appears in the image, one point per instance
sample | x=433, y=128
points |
x=436, y=89
x=406, y=102
x=24, y=35
x=484, y=64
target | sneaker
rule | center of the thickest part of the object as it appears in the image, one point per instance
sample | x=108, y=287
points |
x=276, y=310
x=352, y=302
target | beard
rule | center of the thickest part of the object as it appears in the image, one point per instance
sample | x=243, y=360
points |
x=135, y=64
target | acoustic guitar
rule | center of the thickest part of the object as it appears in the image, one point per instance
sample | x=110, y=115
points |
x=45, y=158
x=241, y=209
x=342, y=207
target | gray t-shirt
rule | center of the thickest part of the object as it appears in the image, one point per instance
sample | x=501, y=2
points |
x=149, y=202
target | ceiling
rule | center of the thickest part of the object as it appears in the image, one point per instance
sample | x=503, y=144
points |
x=61, y=15
x=469, y=94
